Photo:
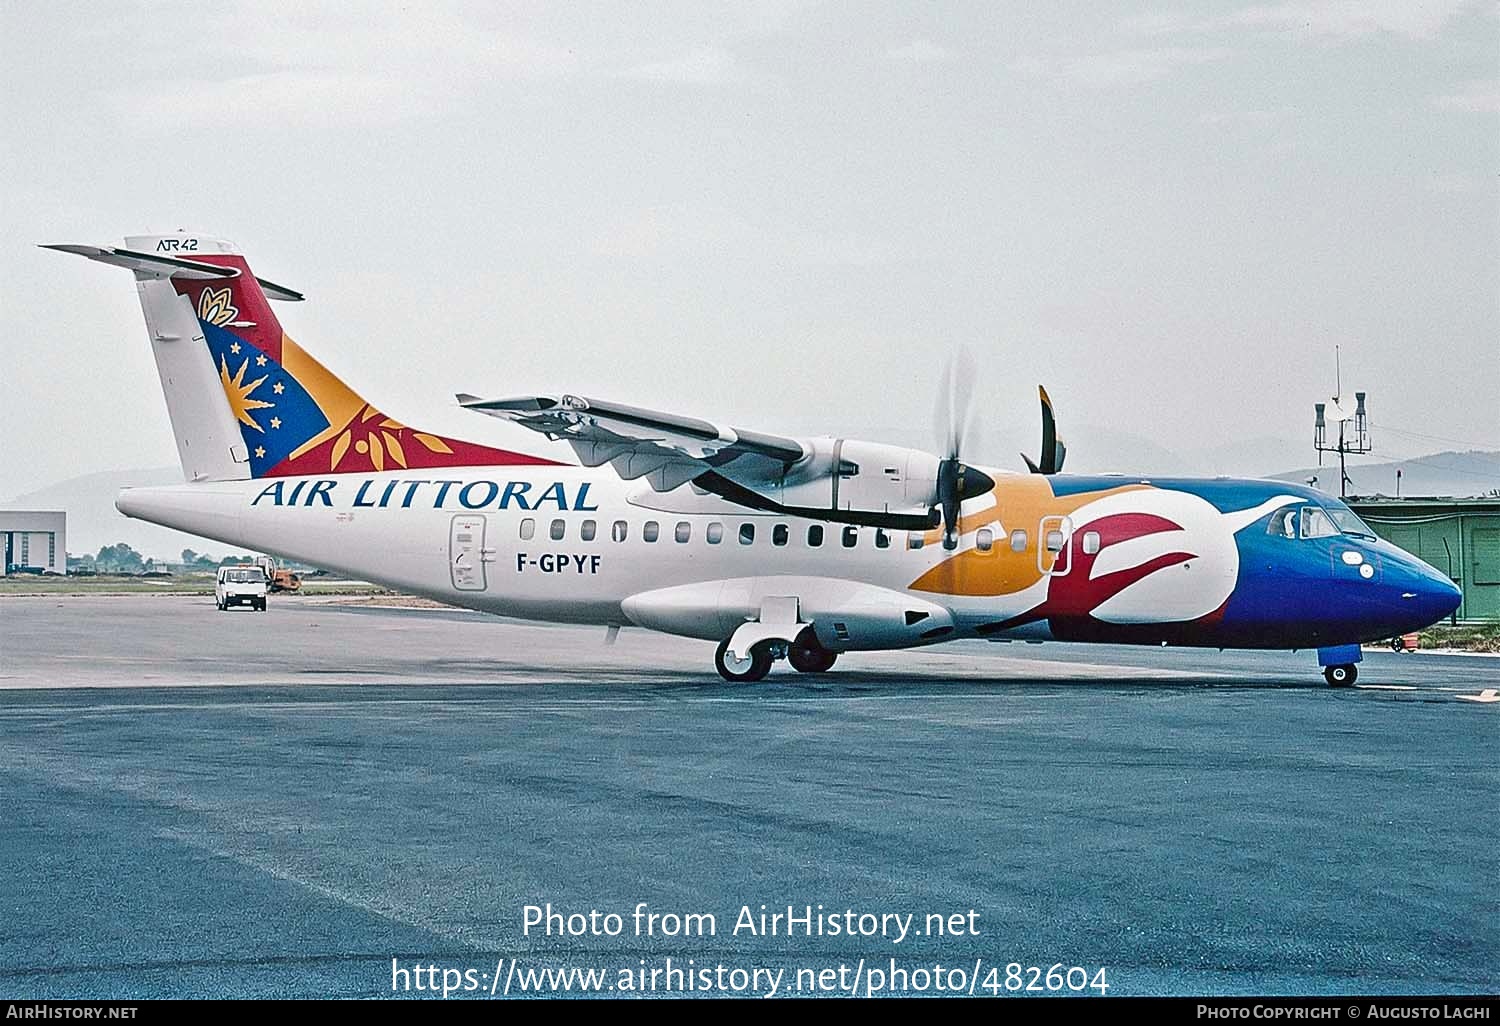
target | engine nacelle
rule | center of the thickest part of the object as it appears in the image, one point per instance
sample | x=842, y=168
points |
x=844, y=615
x=864, y=482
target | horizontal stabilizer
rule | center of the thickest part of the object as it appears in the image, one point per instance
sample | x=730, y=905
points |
x=275, y=291
x=154, y=265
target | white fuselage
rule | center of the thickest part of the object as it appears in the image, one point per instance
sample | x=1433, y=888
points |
x=574, y=545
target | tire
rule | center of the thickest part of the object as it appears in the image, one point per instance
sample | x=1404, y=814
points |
x=1340, y=676
x=808, y=659
x=1397, y=644
x=747, y=672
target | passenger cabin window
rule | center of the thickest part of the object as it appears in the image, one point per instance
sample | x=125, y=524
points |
x=651, y=531
x=984, y=539
x=851, y=536
x=779, y=534
x=814, y=535
x=557, y=530
x=882, y=540
x=528, y=529
x=715, y=533
x=1018, y=541
x=747, y=534
x=684, y=531
x=915, y=539
x=619, y=531
x=587, y=529
x=1090, y=543
x=1054, y=541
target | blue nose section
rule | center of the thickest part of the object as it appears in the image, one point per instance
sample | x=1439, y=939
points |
x=1428, y=595
x=1443, y=597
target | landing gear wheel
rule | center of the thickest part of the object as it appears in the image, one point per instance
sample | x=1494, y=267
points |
x=806, y=659
x=752, y=668
x=1397, y=643
x=1340, y=676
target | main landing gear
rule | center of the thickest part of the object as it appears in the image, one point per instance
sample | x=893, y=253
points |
x=748, y=670
x=803, y=658
x=812, y=658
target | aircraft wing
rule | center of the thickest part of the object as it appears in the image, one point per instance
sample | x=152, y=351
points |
x=666, y=449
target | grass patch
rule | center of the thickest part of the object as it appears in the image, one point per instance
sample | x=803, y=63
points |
x=1477, y=637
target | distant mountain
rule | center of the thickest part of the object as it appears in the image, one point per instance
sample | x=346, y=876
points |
x=1093, y=448
x=93, y=521
x=1454, y=474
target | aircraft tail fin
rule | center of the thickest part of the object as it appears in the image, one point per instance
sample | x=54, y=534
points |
x=245, y=400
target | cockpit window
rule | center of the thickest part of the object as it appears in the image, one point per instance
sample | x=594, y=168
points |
x=1316, y=523
x=1346, y=520
x=1284, y=523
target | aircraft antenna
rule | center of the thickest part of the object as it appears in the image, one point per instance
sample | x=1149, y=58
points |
x=1354, y=439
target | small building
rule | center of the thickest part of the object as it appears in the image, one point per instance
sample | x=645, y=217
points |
x=1461, y=537
x=34, y=540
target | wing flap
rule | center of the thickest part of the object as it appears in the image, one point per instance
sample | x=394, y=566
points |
x=666, y=449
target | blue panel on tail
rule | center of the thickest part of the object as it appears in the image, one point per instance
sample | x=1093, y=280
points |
x=275, y=413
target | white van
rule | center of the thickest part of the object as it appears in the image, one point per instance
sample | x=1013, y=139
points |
x=240, y=584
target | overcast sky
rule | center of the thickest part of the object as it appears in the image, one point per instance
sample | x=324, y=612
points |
x=782, y=216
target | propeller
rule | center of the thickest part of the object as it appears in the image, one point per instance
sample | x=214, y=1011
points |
x=1053, y=449
x=956, y=481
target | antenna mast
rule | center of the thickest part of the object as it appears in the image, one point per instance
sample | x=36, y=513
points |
x=1358, y=443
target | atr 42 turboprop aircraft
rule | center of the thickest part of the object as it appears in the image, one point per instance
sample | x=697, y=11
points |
x=774, y=547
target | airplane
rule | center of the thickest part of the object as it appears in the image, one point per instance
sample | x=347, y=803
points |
x=770, y=546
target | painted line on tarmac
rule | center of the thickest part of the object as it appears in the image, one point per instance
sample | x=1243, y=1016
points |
x=492, y=706
x=1485, y=697
x=278, y=870
x=488, y=707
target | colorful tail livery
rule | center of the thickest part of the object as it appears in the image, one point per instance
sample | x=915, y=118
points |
x=282, y=412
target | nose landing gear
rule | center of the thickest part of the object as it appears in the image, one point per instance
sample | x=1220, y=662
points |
x=1340, y=676
x=1338, y=664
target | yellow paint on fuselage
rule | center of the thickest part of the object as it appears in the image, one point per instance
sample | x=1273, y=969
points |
x=1019, y=503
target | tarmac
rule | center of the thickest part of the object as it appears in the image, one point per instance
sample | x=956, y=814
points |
x=279, y=804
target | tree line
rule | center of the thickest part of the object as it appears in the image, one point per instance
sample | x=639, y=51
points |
x=121, y=558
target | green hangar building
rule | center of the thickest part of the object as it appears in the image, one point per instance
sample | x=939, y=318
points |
x=1461, y=537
